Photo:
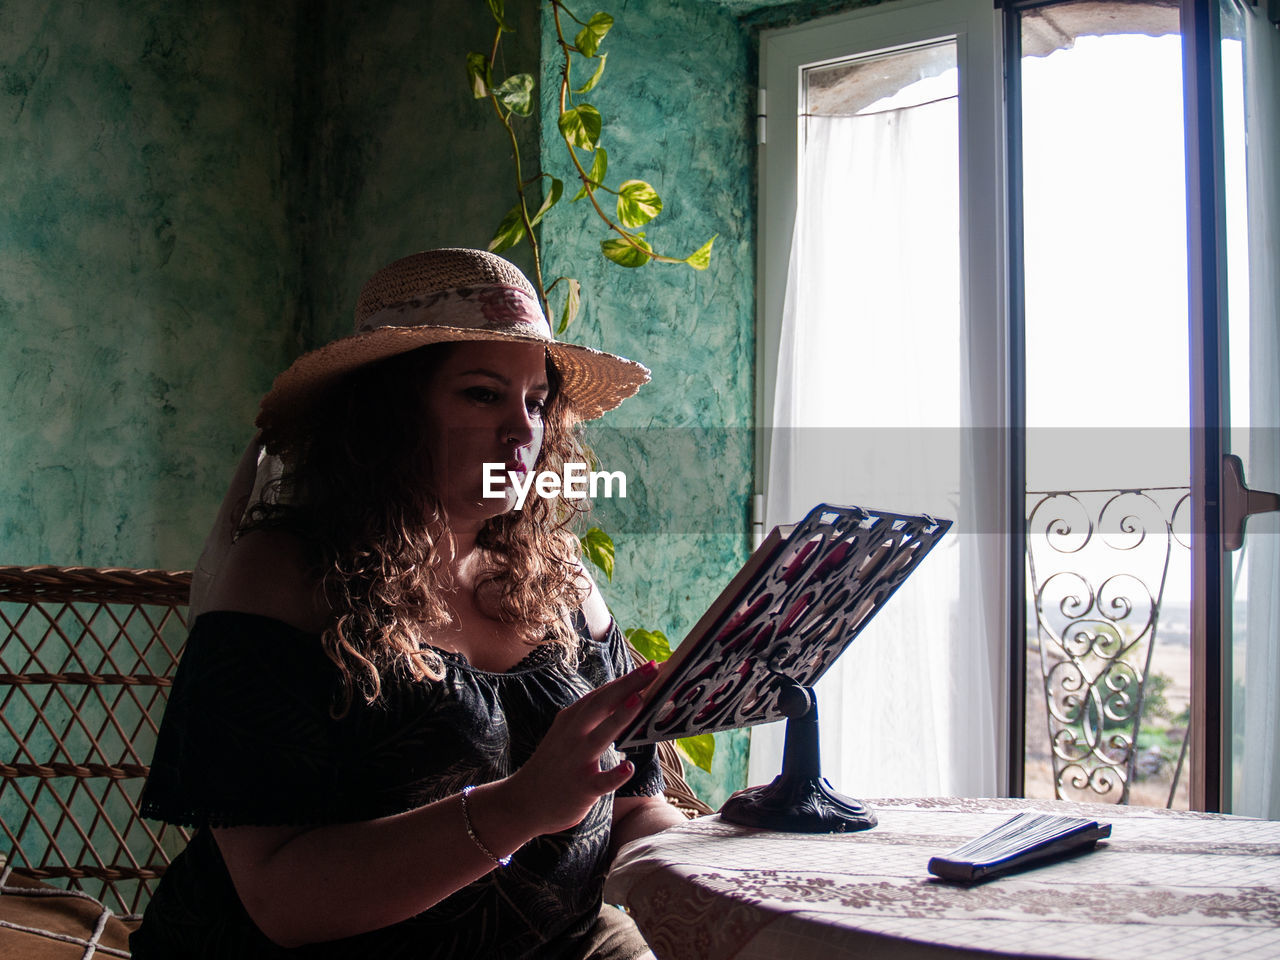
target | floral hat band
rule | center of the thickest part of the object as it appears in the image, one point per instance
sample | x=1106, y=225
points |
x=491, y=307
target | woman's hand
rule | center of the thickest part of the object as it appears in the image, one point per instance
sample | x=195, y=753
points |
x=562, y=781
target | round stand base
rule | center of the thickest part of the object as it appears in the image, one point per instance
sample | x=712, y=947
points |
x=797, y=805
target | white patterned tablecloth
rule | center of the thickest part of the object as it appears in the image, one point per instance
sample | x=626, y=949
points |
x=1168, y=885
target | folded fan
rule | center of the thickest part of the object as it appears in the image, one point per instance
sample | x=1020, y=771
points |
x=1025, y=840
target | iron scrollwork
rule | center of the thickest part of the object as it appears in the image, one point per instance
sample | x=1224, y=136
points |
x=1098, y=562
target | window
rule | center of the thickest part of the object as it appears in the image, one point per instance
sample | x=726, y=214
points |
x=960, y=304
x=880, y=320
x=1103, y=261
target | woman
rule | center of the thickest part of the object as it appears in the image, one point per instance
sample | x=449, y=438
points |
x=392, y=724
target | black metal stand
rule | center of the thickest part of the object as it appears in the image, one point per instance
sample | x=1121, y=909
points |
x=799, y=800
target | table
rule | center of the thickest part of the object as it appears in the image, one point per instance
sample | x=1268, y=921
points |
x=1168, y=885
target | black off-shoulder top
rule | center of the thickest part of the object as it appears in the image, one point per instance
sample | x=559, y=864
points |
x=248, y=738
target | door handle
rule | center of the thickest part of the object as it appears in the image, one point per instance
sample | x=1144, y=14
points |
x=1239, y=502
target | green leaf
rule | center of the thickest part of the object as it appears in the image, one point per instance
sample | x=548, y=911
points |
x=499, y=14
x=699, y=749
x=595, y=77
x=638, y=203
x=599, y=164
x=597, y=546
x=479, y=76
x=572, y=303
x=510, y=231
x=700, y=259
x=549, y=201
x=588, y=39
x=580, y=125
x=516, y=93
x=624, y=254
x=650, y=644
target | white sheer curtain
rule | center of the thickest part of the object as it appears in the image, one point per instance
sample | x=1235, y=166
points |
x=872, y=408
x=1257, y=774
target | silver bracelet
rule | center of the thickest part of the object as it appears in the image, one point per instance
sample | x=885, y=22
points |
x=471, y=831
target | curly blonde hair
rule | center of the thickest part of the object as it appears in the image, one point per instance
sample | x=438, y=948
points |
x=357, y=490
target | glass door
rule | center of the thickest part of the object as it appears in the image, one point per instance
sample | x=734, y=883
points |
x=1100, y=271
x=1249, y=70
x=880, y=320
x=1145, y=208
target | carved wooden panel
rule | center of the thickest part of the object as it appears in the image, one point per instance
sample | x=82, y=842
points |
x=799, y=601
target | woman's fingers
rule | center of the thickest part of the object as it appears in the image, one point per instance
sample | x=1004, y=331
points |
x=592, y=709
x=600, y=781
x=613, y=778
x=608, y=729
x=564, y=772
x=601, y=715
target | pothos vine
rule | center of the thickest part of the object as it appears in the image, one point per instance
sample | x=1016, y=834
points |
x=581, y=127
x=636, y=204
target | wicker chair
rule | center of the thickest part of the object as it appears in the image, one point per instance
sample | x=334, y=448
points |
x=85, y=662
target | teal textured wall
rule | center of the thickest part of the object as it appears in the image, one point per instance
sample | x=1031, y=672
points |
x=145, y=271
x=404, y=158
x=676, y=107
x=192, y=194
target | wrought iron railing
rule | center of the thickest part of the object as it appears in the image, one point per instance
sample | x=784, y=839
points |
x=1098, y=563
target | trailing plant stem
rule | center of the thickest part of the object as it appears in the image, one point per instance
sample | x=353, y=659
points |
x=587, y=182
x=505, y=120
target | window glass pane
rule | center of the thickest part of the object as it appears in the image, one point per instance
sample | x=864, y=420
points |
x=870, y=382
x=892, y=79
x=1251, y=140
x=1107, y=402
x=880, y=381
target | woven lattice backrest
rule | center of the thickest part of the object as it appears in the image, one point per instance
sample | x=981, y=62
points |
x=85, y=661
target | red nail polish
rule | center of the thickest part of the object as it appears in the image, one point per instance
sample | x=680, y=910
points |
x=650, y=667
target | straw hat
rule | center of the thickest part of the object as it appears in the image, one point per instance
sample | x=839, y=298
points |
x=439, y=296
